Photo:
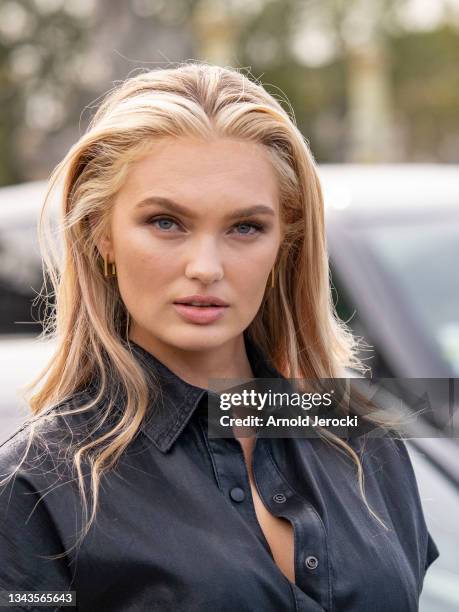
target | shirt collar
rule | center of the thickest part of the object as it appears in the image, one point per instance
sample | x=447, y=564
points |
x=177, y=399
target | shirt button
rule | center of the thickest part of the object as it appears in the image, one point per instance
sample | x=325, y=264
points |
x=312, y=562
x=237, y=494
x=279, y=498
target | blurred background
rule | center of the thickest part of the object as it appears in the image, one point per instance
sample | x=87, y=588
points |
x=374, y=87
x=369, y=80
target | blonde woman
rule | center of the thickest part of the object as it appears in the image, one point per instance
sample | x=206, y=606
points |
x=193, y=249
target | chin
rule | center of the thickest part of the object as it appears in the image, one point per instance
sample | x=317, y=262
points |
x=199, y=337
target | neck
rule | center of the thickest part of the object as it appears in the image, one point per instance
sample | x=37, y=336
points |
x=196, y=367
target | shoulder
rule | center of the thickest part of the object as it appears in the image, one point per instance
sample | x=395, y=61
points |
x=40, y=450
x=40, y=454
x=39, y=496
x=34, y=458
x=386, y=456
x=387, y=466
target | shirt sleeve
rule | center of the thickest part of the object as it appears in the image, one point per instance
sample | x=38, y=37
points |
x=389, y=463
x=432, y=551
x=27, y=535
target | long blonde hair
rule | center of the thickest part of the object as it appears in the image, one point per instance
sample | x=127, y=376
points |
x=296, y=326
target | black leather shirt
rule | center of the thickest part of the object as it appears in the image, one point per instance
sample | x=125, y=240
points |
x=176, y=528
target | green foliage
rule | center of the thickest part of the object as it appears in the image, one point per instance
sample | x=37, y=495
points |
x=44, y=68
x=43, y=48
x=425, y=80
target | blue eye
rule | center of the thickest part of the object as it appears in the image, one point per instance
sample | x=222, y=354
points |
x=166, y=223
x=249, y=226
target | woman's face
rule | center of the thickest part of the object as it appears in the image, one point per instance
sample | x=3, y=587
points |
x=195, y=218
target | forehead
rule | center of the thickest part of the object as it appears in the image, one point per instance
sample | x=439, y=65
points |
x=191, y=170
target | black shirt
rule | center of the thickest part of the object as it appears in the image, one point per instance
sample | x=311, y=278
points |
x=176, y=528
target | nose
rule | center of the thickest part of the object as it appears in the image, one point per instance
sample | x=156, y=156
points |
x=205, y=264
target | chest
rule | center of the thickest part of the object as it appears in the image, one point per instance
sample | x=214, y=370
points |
x=171, y=529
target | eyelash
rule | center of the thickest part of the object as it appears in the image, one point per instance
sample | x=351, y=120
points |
x=258, y=226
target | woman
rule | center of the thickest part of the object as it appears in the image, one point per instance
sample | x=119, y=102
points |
x=194, y=249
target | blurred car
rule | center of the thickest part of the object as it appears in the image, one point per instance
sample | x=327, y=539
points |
x=393, y=236
x=393, y=239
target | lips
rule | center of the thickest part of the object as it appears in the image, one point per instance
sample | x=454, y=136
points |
x=200, y=309
x=198, y=305
x=201, y=301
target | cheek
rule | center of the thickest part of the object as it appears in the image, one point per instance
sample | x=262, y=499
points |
x=249, y=273
x=142, y=267
x=146, y=263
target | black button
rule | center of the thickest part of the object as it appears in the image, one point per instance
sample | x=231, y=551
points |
x=237, y=494
x=312, y=562
x=279, y=498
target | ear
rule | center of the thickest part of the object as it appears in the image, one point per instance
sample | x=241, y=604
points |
x=102, y=238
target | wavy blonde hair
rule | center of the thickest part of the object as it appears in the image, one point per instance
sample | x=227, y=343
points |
x=296, y=326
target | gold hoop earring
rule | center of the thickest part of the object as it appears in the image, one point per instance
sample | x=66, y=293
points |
x=106, y=268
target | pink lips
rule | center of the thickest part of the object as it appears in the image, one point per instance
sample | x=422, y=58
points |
x=201, y=299
x=201, y=315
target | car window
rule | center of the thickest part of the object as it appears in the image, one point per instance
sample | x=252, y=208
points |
x=422, y=259
x=20, y=278
x=348, y=312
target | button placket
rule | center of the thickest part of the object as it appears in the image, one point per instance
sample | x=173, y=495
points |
x=312, y=572
x=231, y=473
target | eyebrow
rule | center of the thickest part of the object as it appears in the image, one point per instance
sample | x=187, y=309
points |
x=172, y=206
